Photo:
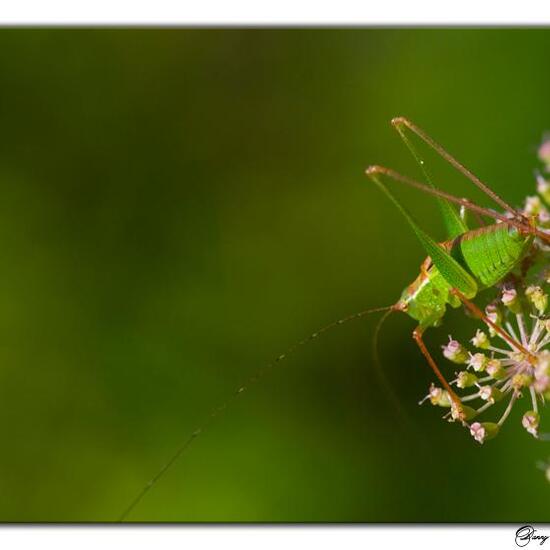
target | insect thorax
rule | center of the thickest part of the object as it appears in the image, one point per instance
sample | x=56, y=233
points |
x=489, y=254
x=426, y=299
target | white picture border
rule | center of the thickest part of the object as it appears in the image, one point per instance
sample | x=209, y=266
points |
x=211, y=13
x=282, y=12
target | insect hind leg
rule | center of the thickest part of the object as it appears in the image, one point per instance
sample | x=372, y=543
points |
x=401, y=122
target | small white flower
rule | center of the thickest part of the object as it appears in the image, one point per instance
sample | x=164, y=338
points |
x=542, y=372
x=480, y=340
x=544, y=152
x=516, y=360
x=455, y=352
x=465, y=379
x=484, y=431
x=494, y=368
x=533, y=205
x=438, y=396
x=478, y=361
x=490, y=393
x=494, y=315
x=544, y=217
x=478, y=432
x=537, y=297
x=509, y=296
x=542, y=185
x=521, y=380
x=530, y=422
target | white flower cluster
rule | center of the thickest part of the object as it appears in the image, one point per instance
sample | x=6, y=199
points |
x=496, y=369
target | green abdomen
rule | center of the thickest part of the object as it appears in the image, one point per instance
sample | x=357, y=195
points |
x=490, y=253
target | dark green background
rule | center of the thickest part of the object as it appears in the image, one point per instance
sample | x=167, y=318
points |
x=178, y=206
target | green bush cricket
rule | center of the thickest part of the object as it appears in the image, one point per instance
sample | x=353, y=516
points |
x=470, y=261
x=453, y=274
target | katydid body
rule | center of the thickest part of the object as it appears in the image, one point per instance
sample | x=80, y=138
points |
x=470, y=261
x=488, y=254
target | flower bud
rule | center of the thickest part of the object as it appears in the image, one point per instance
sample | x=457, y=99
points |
x=510, y=300
x=532, y=206
x=478, y=362
x=521, y=380
x=541, y=383
x=543, y=188
x=494, y=315
x=544, y=217
x=542, y=372
x=467, y=412
x=495, y=369
x=543, y=361
x=537, y=297
x=455, y=352
x=518, y=356
x=530, y=422
x=465, y=379
x=439, y=397
x=544, y=153
x=483, y=432
x=480, y=340
x=490, y=393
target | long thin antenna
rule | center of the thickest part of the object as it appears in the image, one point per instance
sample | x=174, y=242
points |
x=382, y=378
x=402, y=121
x=239, y=391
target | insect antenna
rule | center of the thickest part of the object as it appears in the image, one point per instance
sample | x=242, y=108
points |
x=215, y=413
x=380, y=372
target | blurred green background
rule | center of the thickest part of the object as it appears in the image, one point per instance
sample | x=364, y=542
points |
x=179, y=206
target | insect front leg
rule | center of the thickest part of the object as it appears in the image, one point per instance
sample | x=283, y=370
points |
x=417, y=336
